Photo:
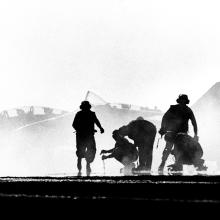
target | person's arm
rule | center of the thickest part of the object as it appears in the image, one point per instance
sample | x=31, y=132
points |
x=124, y=130
x=194, y=123
x=75, y=122
x=107, y=151
x=163, y=129
x=111, y=155
x=107, y=157
x=111, y=151
x=195, y=127
x=97, y=122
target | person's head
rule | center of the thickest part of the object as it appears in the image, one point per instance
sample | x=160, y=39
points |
x=140, y=118
x=85, y=105
x=116, y=136
x=183, y=99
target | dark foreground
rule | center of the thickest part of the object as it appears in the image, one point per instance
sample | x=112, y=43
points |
x=148, y=192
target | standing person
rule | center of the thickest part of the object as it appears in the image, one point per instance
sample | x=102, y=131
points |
x=84, y=123
x=143, y=133
x=174, y=121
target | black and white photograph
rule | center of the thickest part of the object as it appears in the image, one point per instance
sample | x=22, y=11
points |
x=110, y=100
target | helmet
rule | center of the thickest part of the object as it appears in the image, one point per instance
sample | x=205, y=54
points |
x=85, y=105
x=183, y=99
x=115, y=134
x=139, y=118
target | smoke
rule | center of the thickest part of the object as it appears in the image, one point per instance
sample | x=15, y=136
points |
x=38, y=149
x=207, y=113
x=48, y=147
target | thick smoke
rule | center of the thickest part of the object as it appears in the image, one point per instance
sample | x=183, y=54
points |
x=37, y=145
x=207, y=112
x=46, y=146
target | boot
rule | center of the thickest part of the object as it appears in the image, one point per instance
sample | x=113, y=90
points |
x=200, y=165
x=79, y=173
x=140, y=169
x=161, y=167
x=79, y=165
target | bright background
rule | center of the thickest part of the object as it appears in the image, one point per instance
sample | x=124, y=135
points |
x=130, y=51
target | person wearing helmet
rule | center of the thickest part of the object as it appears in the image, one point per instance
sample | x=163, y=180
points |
x=143, y=133
x=84, y=123
x=124, y=151
x=174, y=121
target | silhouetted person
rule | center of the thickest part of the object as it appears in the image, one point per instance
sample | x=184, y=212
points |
x=175, y=121
x=84, y=123
x=188, y=151
x=143, y=133
x=124, y=152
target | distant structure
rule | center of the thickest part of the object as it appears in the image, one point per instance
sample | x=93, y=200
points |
x=14, y=118
x=210, y=100
x=97, y=102
x=207, y=112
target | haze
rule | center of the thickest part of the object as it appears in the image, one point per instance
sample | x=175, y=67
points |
x=138, y=52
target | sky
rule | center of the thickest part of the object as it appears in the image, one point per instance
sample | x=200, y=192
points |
x=131, y=51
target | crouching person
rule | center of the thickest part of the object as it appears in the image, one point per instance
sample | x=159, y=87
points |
x=124, y=152
x=187, y=151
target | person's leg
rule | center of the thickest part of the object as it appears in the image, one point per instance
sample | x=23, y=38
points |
x=199, y=165
x=145, y=158
x=149, y=145
x=88, y=169
x=149, y=157
x=142, y=156
x=166, y=152
x=79, y=164
x=145, y=149
x=90, y=153
x=198, y=162
x=80, y=151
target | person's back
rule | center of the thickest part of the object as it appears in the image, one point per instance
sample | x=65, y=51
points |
x=176, y=118
x=140, y=129
x=84, y=122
